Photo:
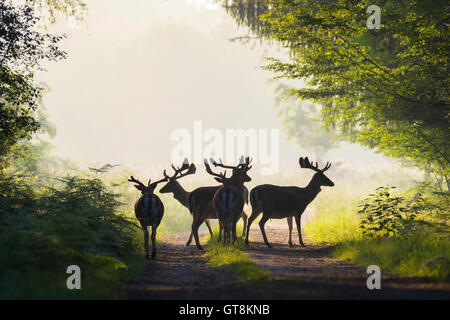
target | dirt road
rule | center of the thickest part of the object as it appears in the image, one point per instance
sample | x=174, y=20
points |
x=296, y=273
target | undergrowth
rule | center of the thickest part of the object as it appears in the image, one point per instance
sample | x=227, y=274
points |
x=43, y=230
x=404, y=232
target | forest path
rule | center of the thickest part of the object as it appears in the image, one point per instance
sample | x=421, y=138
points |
x=180, y=272
x=311, y=273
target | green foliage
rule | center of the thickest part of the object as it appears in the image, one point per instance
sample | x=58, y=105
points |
x=421, y=253
x=383, y=214
x=385, y=88
x=246, y=13
x=22, y=49
x=75, y=9
x=408, y=233
x=44, y=230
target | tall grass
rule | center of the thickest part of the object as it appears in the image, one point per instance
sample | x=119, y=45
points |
x=334, y=218
x=421, y=253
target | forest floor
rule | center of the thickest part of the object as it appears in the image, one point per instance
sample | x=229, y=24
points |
x=180, y=272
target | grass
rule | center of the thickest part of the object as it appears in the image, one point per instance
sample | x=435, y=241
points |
x=421, y=251
x=233, y=257
x=420, y=254
x=335, y=220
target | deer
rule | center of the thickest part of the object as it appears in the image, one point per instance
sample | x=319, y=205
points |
x=229, y=199
x=278, y=202
x=149, y=210
x=179, y=193
x=201, y=206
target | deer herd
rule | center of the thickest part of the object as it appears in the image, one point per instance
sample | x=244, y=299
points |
x=225, y=202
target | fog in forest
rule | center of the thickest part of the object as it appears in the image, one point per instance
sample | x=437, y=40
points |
x=138, y=71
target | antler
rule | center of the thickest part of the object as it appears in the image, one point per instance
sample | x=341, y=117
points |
x=208, y=169
x=132, y=179
x=242, y=164
x=220, y=164
x=304, y=163
x=166, y=177
x=191, y=169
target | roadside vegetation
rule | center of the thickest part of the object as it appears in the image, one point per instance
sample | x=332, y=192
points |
x=45, y=229
x=51, y=220
x=406, y=232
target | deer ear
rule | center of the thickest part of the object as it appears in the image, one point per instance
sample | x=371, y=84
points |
x=138, y=187
x=219, y=180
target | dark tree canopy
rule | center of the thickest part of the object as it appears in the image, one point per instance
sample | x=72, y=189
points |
x=22, y=49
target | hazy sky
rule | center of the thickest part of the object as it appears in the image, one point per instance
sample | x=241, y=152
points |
x=138, y=70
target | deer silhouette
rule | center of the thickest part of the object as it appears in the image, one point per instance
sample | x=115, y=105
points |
x=149, y=210
x=230, y=198
x=278, y=202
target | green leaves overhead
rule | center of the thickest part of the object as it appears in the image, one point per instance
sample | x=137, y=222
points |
x=385, y=88
x=22, y=49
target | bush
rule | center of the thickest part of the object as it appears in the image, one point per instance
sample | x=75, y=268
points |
x=44, y=230
x=405, y=233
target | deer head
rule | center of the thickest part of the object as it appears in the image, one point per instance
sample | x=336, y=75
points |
x=319, y=177
x=239, y=172
x=150, y=186
x=172, y=184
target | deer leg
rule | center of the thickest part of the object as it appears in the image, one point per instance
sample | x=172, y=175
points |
x=234, y=231
x=230, y=231
x=226, y=231
x=195, y=224
x=244, y=218
x=188, y=243
x=253, y=216
x=209, y=227
x=154, y=241
x=299, y=229
x=220, y=231
x=289, y=221
x=261, y=225
x=145, y=241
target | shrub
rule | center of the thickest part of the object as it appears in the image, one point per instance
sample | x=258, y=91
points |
x=44, y=230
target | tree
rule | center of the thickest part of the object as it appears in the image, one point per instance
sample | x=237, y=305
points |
x=247, y=13
x=21, y=51
x=49, y=10
x=384, y=88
